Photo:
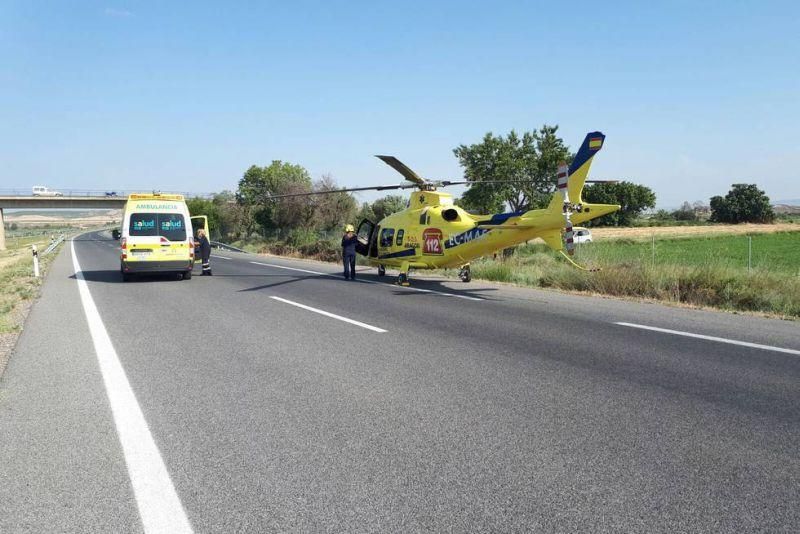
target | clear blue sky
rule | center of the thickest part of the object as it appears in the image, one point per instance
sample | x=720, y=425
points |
x=186, y=96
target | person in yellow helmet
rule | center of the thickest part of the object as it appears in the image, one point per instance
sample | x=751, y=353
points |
x=349, y=241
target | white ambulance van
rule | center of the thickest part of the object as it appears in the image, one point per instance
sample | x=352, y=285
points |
x=156, y=236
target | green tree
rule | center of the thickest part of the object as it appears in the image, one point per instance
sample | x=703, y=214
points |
x=685, y=213
x=260, y=183
x=532, y=157
x=365, y=212
x=743, y=203
x=383, y=207
x=478, y=199
x=202, y=206
x=334, y=210
x=632, y=198
x=663, y=215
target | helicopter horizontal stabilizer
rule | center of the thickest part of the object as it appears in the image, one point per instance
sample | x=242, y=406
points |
x=553, y=239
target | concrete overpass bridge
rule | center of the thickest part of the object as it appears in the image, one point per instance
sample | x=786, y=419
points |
x=60, y=202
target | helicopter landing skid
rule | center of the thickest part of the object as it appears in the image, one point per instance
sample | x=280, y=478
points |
x=579, y=266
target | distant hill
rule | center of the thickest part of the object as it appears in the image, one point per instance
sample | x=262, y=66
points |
x=789, y=202
x=782, y=209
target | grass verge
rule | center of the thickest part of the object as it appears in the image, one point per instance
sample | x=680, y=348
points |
x=711, y=284
x=18, y=288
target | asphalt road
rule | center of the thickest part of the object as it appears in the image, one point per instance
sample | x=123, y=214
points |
x=477, y=408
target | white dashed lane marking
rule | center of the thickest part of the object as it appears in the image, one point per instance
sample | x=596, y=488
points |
x=712, y=338
x=331, y=315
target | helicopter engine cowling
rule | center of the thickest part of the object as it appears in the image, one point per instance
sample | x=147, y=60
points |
x=450, y=214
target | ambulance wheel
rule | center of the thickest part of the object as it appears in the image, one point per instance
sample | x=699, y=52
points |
x=381, y=270
x=187, y=275
x=402, y=279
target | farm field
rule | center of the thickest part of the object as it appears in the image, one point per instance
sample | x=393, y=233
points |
x=776, y=252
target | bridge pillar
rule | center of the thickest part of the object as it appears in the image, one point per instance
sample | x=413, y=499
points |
x=2, y=231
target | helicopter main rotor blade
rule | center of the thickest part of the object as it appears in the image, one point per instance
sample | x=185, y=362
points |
x=447, y=183
x=401, y=167
x=348, y=190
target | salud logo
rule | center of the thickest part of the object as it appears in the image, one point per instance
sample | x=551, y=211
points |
x=432, y=241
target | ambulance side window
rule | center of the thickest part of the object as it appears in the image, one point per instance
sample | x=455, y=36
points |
x=399, y=241
x=387, y=234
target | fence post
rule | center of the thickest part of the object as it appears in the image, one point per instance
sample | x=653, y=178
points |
x=35, y=261
x=654, y=248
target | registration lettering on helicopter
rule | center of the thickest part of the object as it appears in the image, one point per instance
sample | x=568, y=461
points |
x=432, y=241
x=466, y=237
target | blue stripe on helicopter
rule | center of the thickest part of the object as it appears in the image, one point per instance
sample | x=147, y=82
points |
x=500, y=218
x=401, y=254
x=465, y=237
x=591, y=145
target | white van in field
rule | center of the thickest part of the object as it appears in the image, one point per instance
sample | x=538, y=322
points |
x=156, y=236
x=42, y=191
x=582, y=235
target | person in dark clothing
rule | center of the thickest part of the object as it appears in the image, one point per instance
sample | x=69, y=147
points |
x=349, y=241
x=205, y=252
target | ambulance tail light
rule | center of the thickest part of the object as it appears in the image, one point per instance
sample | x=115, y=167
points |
x=123, y=245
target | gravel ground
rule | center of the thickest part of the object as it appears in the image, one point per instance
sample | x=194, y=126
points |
x=9, y=340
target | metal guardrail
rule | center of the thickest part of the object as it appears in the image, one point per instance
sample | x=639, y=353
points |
x=223, y=246
x=54, y=244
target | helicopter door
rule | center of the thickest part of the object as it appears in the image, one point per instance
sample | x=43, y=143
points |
x=364, y=235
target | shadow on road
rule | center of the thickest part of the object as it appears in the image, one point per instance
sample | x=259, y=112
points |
x=114, y=277
x=427, y=285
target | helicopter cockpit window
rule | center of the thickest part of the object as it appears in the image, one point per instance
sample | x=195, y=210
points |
x=399, y=241
x=423, y=217
x=387, y=234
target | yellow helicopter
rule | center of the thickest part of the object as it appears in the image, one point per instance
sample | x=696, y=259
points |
x=434, y=233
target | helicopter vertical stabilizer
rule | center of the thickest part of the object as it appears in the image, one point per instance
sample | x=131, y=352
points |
x=577, y=172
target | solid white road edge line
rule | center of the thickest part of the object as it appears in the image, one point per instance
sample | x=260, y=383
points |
x=370, y=281
x=331, y=315
x=159, y=506
x=712, y=338
x=220, y=257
